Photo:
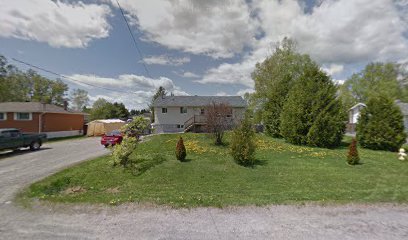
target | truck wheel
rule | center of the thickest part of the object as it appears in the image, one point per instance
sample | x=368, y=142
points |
x=35, y=145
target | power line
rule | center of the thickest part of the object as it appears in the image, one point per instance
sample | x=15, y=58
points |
x=134, y=40
x=67, y=77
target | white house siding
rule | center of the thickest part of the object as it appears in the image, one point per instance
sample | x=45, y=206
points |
x=167, y=122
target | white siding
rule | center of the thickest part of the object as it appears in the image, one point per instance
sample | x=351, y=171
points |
x=167, y=122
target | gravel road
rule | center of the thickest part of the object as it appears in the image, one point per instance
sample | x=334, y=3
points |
x=372, y=222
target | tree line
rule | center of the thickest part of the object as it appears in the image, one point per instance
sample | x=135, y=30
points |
x=29, y=86
x=296, y=100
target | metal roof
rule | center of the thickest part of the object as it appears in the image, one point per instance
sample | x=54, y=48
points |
x=34, y=107
x=198, y=101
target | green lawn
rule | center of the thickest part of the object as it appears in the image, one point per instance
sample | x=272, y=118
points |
x=284, y=174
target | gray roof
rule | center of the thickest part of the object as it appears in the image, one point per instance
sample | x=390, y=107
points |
x=198, y=101
x=33, y=107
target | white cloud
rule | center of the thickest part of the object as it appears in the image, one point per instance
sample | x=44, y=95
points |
x=333, y=69
x=243, y=91
x=60, y=24
x=190, y=75
x=218, y=28
x=334, y=34
x=137, y=90
x=221, y=94
x=166, y=60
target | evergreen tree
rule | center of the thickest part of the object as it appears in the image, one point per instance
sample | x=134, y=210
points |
x=312, y=115
x=181, y=152
x=242, y=144
x=273, y=79
x=352, y=157
x=381, y=125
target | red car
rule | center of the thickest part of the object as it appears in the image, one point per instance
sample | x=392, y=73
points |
x=112, y=138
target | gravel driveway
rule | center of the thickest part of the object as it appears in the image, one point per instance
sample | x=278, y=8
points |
x=149, y=222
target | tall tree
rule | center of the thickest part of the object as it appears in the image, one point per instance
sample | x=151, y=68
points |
x=274, y=77
x=161, y=91
x=381, y=124
x=376, y=78
x=102, y=109
x=312, y=115
x=79, y=99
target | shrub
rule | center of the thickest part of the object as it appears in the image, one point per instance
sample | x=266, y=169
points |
x=181, y=150
x=312, y=115
x=136, y=127
x=381, y=125
x=352, y=157
x=121, y=152
x=242, y=144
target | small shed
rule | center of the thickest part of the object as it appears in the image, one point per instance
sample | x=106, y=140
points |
x=100, y=127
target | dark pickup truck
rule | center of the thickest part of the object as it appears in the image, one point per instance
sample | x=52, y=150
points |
x=13, y=139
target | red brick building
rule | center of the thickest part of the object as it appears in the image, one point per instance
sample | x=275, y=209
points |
x=35, y=117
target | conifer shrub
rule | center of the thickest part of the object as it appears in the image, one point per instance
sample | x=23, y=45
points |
x=181, y=152
x=312, y=115
x=381, y=125
x=352, y=156
x=242, y=144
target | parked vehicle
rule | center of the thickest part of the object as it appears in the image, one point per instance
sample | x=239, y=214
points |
x=112, y=138
x=13, y=139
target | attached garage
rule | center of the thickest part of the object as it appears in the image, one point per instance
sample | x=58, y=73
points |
x=100, y=127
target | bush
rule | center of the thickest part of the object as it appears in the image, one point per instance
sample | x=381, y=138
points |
x=181, y=150
x=312, y=115
x=381, y=125
x=121, y=152
x=352, y=157
x=242, y=144
x=136, y=127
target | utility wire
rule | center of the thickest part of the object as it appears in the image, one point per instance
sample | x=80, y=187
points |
x=67, y=77
x=134, y=40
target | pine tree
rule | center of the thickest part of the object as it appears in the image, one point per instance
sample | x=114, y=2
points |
x=312, y=115
x=181, y=150
x=381, y=125
x=352, y=157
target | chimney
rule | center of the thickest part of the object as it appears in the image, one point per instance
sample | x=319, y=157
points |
x=65, y=105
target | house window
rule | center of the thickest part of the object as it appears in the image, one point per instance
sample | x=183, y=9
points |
x=202, y=111
x=3, y=116
x=183, y=110
x=22, y=116
x=164, y=110
x=180, y=126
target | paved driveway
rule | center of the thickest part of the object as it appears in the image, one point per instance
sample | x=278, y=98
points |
x=149, y=222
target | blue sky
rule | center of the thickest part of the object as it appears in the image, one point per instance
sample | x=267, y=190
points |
x=195, y=47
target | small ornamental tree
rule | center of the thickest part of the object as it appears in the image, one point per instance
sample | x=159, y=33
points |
x=136, y=127
x=181, y=150
x=242, y=143
x=121, y=152
x=381, y=125
x=352, y=156
x=218, y=120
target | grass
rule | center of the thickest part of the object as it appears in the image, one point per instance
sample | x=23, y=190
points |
x=284, y=174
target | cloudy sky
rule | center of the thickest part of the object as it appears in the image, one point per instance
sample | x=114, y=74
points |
x=194, y=47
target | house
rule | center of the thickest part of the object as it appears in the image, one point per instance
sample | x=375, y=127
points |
x=187, y=113
x=35, y=117
x=354, y=113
